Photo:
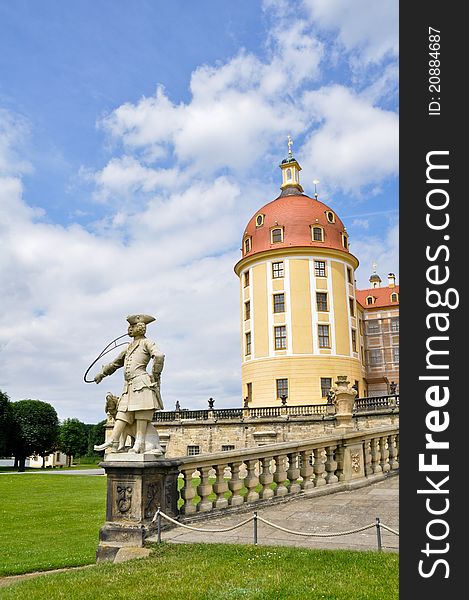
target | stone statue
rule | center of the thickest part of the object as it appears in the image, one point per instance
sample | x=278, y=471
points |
x=133, y=411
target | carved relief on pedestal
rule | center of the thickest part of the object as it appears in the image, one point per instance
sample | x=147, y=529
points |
x=124, y=497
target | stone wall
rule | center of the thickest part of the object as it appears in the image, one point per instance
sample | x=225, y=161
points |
x=211, y=435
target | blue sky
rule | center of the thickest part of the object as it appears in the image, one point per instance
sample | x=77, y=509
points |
x=136, y=141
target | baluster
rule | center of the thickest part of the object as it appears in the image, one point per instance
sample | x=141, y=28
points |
x=340, y=456
x=331, y=465
x=385, y=466
x=375, y=456
x=235, y=484
x=204, y=490
x=252, y=481
x=393, y=463
x=280, y=475
x=319, y=467
x=293, y=473
x=266, y=478
x=367, y=451
x=220, y=487
x=188, y=493
x=398, y=456
x=306, y=470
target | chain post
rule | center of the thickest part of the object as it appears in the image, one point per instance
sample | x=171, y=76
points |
x=158, y=524
x=378, y=533
x=254, y=526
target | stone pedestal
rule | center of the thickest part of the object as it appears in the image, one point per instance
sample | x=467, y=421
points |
x=136, y=485
x=344, y=398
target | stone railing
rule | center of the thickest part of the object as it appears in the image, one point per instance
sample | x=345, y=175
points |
x=237, y=478
x=376, y=403
x=360, y=405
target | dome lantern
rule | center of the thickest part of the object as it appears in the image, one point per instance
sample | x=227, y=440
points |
x=290, y=173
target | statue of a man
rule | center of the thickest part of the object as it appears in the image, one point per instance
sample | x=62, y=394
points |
x=141, y=394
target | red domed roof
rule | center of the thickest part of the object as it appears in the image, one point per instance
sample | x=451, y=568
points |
x=296, y=215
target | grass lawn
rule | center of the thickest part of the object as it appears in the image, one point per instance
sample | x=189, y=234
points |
x=49, y=521
x=224, y=572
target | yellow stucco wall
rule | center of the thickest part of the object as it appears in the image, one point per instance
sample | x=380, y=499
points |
x=303, y=363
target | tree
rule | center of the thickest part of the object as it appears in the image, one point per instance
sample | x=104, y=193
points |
x=37, y=429
x=6, y=425
x=96, y=436
x=73, y=438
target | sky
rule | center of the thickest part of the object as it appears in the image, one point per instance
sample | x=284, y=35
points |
x=137, y=139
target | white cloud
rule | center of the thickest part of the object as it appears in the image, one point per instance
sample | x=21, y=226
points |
x=365, y=27
x=356, y=144
x=384, y=251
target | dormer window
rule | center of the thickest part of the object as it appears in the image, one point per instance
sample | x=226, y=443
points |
x=247, y=245
x=370, y=300
x=259, y=220
x=330, y=216
x=276, y=235
x=317, y=234
x=394, y=297
x=345, y=241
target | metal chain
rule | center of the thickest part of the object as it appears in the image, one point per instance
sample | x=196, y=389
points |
x=357, y=530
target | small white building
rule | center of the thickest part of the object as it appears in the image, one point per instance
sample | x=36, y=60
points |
x=54, y=459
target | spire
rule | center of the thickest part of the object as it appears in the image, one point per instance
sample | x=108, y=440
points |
x=290, y=173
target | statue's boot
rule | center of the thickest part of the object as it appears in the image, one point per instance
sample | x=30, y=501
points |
x=139, y=445
x=107, y=444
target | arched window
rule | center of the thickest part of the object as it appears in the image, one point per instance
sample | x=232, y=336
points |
x=288, y=174
x=394, y=297
x=370, y=300
x=318, y=234
x=330, y=216
x=277, y=235
x=345, y=241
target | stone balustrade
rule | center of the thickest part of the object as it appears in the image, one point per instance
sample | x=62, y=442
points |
x=370, y=404
x=237, y=478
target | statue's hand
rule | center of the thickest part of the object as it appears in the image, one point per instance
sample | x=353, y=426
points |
x=99, y=377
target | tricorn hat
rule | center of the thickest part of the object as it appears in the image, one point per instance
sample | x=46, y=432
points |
x=134, y=319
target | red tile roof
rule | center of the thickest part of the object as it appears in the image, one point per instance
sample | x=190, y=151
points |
x=296, y=214
x=382, y=296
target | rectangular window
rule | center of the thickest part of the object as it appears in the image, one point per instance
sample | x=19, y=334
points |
x=326, y=384
x=351, y=303
x=249, y=391
x=320, y=268
x=277, y=269
x=227, y=447
x=323, y=334
x=279, y=303
x=282, y=387
x=247, y=310
x=247, y=245
x=395, y=324
x=395, y=354
x=354, y=340
x=193, y=450
x=248, y=342
x=375, y=357
x=280, y=337
x=349, y=275
x=321, y=301
x=246, y=279
x=373, y=326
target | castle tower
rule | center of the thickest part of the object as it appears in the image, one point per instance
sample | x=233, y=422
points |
x=299, y=316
